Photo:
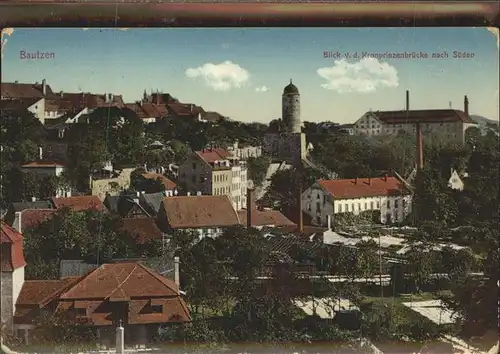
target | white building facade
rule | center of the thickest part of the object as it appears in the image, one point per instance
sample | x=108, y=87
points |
x=239, y=184
x=328, y=198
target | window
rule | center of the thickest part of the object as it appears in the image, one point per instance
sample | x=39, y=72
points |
x=352, y=207
x=318, y=196
x=159, y=308
x=396, y=204
x=371, y=205
x=324, y=201
x=388, y=204
x=309, y=206
x=202, y=179
x=378, y=205
x=359, y=206
x=318, y=220
x=318, y=206
x=366, y=205
x=340, y=208
x=194, y=165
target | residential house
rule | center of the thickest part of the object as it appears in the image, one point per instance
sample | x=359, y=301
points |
x=92, y=101
x=244, y=152
x=388, y=196
x=56, y=108
x=21, y=206
x=125, y=292
x=148, y=112
x=215, y=171
x=17, y=90
x=144, y=231
x=206, y=214
x=126, y=206
x=159, y=98
x=347, y=128
x=79, y=203
x=169, y=185
x=448, y=124
x=185, y=111
x=30, y=218
x=12, y=265
x=44, y=169
x=16, y=108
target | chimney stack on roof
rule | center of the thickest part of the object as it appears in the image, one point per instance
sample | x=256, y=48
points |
x=385, y=177
x=356, y=180
x=369, y=181
x=466, y=105
x=250, y=206
x=177, y=271
x=44, y=87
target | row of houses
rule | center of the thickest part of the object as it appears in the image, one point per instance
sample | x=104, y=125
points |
x=64, y=107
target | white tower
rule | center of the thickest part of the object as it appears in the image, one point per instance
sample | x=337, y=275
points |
x=290, y=104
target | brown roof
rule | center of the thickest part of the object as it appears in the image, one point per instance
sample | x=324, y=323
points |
x=213, y=154
x=80, y=203
x=363, y=187
x=203, y=211
x=12, y=241
x=40, y=292
x=81, y=100
x=169, y=185
x=147, y=110
x=423, y=116
x=265, y=218
x=31, y=218
x=174, y=310
x=59, y=105
x=121, y=281
x=18, y=104
x=144, y=230
x=23, y=90
x=185, y=109
x=42, y=164
x=162, y=98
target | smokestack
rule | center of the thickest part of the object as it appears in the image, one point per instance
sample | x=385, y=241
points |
x=407, y=100
x=176, y=271
x=157, y=98
x=250, y=206
x=44, y=87
x=369, y=181
x=466, y=105
x=420, y=153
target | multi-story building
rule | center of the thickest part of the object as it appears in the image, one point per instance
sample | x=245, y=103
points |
x=448, y=124
x=215, y=172
x=386, y=195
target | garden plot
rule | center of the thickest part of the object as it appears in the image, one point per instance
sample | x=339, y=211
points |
x=434, y=310
x=325, y=307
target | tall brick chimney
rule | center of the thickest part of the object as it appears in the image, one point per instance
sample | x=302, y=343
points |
x=407, y=100
x=250, y=206
x=420, y=153
x=466, y=105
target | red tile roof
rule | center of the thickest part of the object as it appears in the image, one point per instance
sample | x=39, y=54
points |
x=40, y=292
x=423, y=116
x=18, y=104
x=265, y=218
x=23, y=90
x=213, y=154
x=147, y=110
x=31, y=218
x=121, y=281
x=204, y=211
x=59, y=105
x=169, y=185
x=42, y=164
x=89, y=100
x=363, y=187
x=12, y=256
x=184, y=109
x=162, y=98
x=144, y=230
x=80, y=203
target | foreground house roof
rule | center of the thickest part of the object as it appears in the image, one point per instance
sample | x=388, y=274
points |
x=265, y=218
x=79, y=203
x=423, y=116
x=363, y=187
x=203, y=211
x=11, y=242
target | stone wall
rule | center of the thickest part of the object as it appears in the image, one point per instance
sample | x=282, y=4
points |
x=113, y=186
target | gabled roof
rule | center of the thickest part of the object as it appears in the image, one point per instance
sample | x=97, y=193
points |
x=213, y=154
x=144, y=230
x=363, y=187
x=39, y=204
x=18, y=104
x=147, y=110
x=9, y=235
x=423, y=116
x=31, y=218
x=41, y=292
x=185, y=109
x=80, y=203
x=265, y=218
x=121, y=281
x=23, y=90
x=204, y=211
x=59, y=105
x=92, y=101
x=153, y=201
x=167, y=183
x=14, y=239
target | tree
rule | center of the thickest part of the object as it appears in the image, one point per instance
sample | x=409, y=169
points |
x=142, y=184
x=257, y=169
x=420, y=264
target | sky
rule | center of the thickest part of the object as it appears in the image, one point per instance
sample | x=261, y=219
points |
x=241, y=73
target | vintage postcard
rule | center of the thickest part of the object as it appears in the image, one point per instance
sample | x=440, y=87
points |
x=301, y=189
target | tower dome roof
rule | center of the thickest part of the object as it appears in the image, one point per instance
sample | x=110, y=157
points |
x=291, y=89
